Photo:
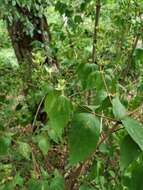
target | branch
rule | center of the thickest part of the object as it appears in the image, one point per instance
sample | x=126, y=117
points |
x=98, y=8
x=38, y=109
x=134, y=45
x=74, y=176
x=129, y=60
x=94, y=56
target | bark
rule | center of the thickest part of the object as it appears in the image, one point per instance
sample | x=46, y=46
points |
x=22, y=41
x=97, y=16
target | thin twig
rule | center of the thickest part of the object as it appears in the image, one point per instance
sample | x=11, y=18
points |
x=39, y=106
x=36, y=165
x=96, y=114
x=105, y=84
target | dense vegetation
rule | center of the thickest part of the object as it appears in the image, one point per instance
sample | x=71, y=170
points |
x=71, y=94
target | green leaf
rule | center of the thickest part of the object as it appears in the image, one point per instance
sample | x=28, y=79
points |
x=57, y=183
x=18, y=180
x=53, y=135
x=43, y=143
x=59, y=110
x=100, y=97
x=61, y=7
x=90, y=71
x=139, y=54
x=83, y=136
x=85, y=187
x=51, y=101
x=77, y=19
x=13, y=2
x=38, y=184
x=99, y=84
x=24, y=149
x=34, y=184
x=93, y=80
x=93, y=171
x=135, y=130
x=135, y=181
x=4, y=145
x=129, y=151
x=118, y=109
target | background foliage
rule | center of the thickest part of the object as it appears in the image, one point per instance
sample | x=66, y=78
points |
x=79, y=126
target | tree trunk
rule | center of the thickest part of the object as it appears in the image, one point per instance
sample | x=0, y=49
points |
x=21, y=40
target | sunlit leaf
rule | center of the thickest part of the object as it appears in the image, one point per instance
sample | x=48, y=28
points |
x=24, y=149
